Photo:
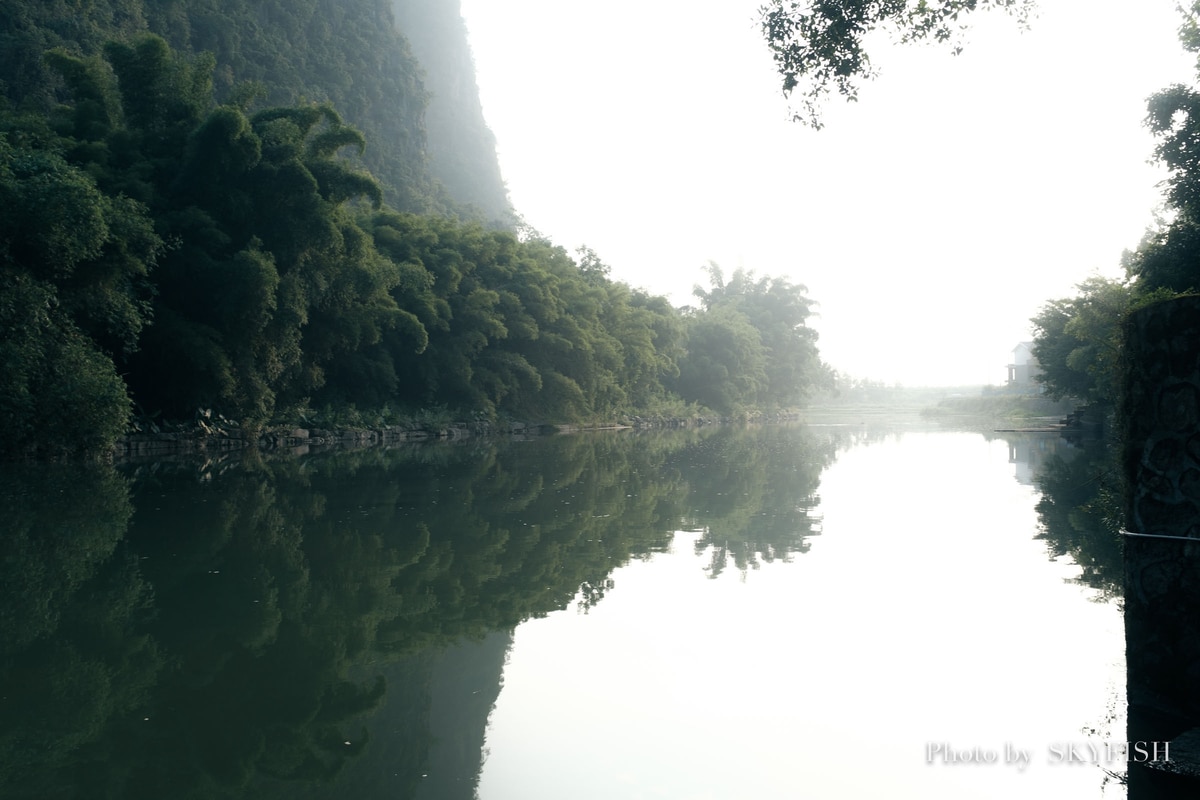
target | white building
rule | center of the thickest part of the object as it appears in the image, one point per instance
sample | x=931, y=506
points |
x=1024, y=369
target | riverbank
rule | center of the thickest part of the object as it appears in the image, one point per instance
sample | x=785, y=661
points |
x=203, y=437
x=221, y=439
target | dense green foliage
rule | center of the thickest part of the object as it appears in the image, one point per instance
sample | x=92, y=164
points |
x=750, y=346
x=349, y=54
x=73, y=269
x=161, y=247
x=1077, y=342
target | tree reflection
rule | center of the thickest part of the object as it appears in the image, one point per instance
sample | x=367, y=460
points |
x=1079, y=512
x=752, y=494
x=229, y=629
x=74, y=659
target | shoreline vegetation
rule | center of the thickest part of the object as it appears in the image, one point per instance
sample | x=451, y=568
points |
x=221, y=436
x=1009, y=409
x=186, y=227
x=178, y=235
x=214, y=435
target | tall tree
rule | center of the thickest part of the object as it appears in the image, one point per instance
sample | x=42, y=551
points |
x=778, y=311
x=725, y=366
x=1077, y=342
x=1169, y=257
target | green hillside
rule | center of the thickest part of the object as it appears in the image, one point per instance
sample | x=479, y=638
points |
x=216, y=207
x=349, y=53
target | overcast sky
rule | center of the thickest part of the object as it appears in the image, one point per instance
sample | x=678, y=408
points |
x=930, y=220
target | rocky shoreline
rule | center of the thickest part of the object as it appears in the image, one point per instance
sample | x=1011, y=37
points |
x=202, y=438
x=208, y=440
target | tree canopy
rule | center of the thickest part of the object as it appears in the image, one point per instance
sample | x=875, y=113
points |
x=172, y=241
x=751, y=346
x=353, y=54
x=1077, y=342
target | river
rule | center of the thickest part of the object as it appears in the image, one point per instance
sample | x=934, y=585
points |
x=848, y=610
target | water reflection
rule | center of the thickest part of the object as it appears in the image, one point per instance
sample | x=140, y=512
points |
x=752, y=494
x=338, y=625
x=1080, y=513
x=75, y=662
x=926, y=612
x=252, y=629
x=1079, y=508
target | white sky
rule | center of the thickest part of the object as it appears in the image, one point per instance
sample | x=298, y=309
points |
x=930, y=220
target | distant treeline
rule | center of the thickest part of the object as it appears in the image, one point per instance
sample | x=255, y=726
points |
x=171, y=246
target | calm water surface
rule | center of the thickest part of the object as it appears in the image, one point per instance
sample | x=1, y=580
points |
x=788, y=612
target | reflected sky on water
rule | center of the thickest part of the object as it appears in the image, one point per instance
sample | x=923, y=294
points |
x=925, y=618
x=764, y=612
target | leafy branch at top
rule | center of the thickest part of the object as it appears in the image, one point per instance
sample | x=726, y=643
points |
x=819, y=45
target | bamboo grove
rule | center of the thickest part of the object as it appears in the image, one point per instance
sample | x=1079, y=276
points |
x=163, y=253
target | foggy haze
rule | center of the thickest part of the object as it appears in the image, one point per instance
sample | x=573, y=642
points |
x=929, y=221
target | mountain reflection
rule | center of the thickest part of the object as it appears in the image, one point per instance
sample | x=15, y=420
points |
x=250, y=629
